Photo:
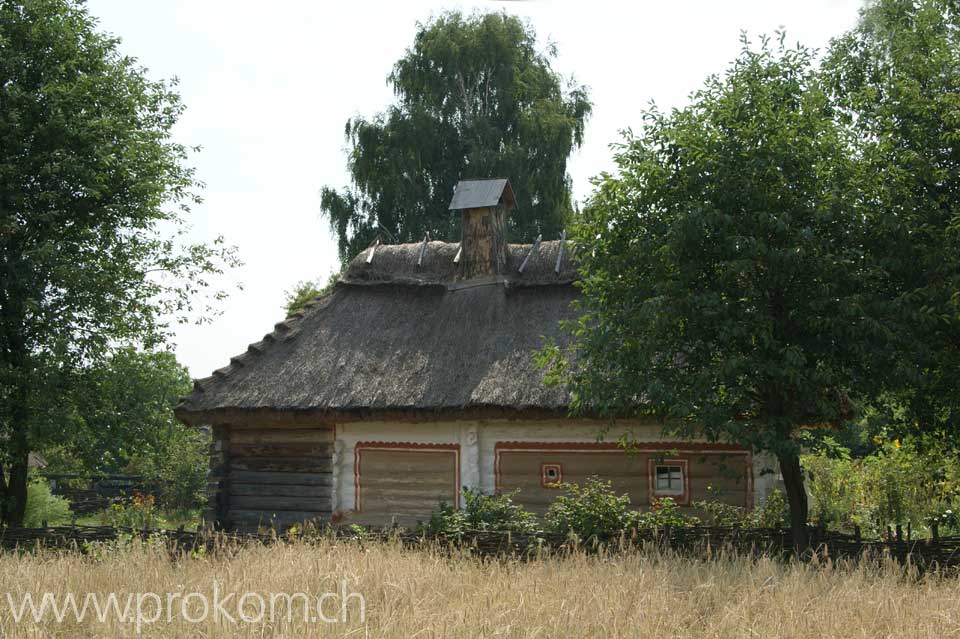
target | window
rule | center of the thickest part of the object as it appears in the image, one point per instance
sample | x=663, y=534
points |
x=551, y=475
x=669, y=478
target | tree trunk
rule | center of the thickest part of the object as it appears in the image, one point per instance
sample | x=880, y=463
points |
x=796, y=499
x=18, y=447
x=16, y=357
x=16, y=503
x=3, y=493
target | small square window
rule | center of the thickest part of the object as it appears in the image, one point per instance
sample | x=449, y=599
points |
x=551, y=475
x=669, y=480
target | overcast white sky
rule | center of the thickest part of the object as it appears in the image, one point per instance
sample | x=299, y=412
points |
x=269, y=86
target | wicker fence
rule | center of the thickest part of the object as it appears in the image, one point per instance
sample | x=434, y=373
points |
x=700, y=541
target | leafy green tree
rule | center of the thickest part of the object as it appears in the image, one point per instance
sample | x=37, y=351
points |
x=895, y=79
x=119, y=418
x=44, y=506
x=475, y=98
x=91, y=189
x=720, y=268
x=303, y=292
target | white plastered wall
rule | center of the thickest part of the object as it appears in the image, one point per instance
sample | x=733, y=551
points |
x=766, y=477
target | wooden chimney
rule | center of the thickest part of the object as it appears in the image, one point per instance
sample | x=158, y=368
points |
x=483, y=206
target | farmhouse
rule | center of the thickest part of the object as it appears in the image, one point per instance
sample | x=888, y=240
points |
x=414, y=377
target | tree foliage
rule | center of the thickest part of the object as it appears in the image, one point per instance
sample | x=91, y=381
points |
x=895, y=80
x=720, y=267
x=475, y=99
x=91, y=188
x=785, y=242
x=119, y=419
x=305, y=291
x=898, y=484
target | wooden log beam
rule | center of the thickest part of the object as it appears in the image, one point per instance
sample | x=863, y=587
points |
x=240, y=451
x=279, y=490
x=272, y=503
x=282, y=478
x=282, y=464
x=281, y=436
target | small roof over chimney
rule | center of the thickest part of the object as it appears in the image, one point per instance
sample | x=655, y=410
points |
x=476, y=194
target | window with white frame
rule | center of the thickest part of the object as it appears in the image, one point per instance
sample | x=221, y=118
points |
x=669, y=478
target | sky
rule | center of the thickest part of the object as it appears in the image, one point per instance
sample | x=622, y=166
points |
x=269, y=86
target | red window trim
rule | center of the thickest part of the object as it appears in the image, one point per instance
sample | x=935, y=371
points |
x=683, y=499
x=409, y=446
x=543, y=474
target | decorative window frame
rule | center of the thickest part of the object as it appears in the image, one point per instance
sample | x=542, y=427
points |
x=682, y=498
x=360, y=447
x=689, y=449
x=551, y=483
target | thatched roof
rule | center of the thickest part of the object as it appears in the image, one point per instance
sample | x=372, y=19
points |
x=393, y=335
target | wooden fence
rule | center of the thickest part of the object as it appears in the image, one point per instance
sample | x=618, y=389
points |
x=91, y=494
x=699, y=541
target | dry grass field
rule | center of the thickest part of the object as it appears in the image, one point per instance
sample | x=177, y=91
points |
x=428, y=594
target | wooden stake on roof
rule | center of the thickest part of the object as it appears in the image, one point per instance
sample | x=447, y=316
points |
x=533, y=247
x=423, y=248
x=373, y=249
x=563, y=243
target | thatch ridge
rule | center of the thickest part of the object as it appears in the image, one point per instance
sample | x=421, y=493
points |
x=398, y=264
x=395, y=335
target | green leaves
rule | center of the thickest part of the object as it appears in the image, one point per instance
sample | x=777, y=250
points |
x=895, y=80
x=785, y=242
x=94, y=193
x=474, y=99
x=481, y=513
x=720, y=269
x=592, y=511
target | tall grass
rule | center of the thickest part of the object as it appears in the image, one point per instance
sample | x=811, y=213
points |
x=428, y=594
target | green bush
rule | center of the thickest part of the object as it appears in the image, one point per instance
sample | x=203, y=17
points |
x=447, y=520
x=497, y=512
x=773, y=513
x=44, y=506
x=664, y=512
x=139, y=511
x=178, y=467
x=482, y=512
x=897, y=485
x=719, y=513
x=945, y=519
x=591, y=511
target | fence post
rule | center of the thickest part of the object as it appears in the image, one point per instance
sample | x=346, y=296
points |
x=899, y=530
x=935, y=531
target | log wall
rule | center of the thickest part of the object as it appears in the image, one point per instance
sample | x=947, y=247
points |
x=275, y=476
